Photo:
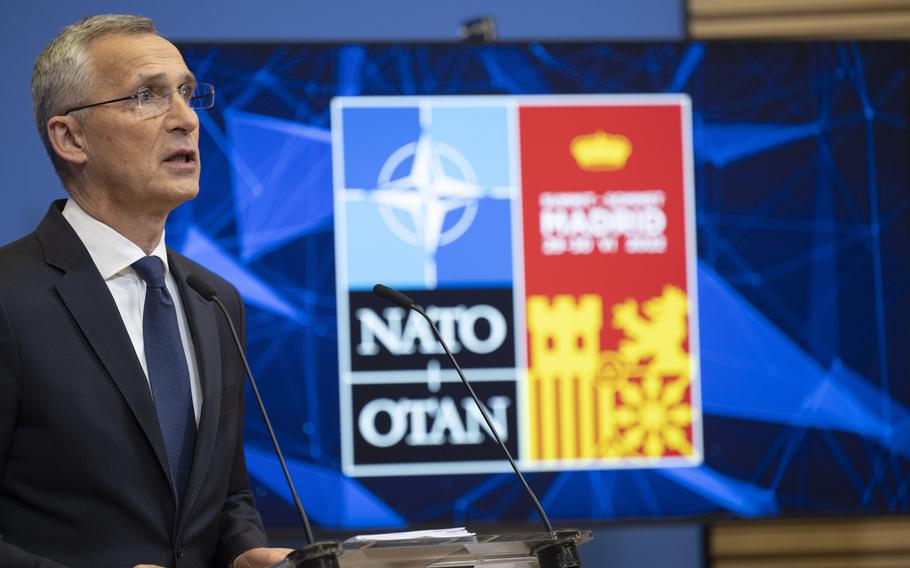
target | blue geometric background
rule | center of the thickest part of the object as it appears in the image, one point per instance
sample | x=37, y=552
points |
x=802, y=194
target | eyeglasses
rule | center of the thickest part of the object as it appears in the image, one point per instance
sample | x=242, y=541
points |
x=151, y=102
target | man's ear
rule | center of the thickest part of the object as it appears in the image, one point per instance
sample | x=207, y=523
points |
x=67, y=138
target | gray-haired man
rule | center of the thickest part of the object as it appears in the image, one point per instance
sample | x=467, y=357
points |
x=121, y=393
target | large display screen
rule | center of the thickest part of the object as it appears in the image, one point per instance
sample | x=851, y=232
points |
x=677, y=274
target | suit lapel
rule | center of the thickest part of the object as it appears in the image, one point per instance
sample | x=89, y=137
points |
x=89, y=301
x=203, y=323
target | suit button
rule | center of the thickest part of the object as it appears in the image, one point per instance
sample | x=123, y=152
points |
x=179, y=549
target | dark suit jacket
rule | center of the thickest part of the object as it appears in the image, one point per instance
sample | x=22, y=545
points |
x=83, y=473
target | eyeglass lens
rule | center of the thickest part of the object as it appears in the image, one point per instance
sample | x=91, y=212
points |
x=203, y=96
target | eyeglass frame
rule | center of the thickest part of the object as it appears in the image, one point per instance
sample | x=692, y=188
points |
x=170, y=94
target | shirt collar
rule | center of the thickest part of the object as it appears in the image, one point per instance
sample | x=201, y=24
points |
x=111, y=252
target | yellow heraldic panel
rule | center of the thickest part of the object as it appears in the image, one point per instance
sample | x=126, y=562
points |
x=658, y=401
x=631, y=402
x=565, y=354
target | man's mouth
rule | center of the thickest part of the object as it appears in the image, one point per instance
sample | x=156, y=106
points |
x=181, y=157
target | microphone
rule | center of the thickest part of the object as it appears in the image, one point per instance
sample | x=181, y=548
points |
x=393, y=296
x=407, y=303
x=208, y=293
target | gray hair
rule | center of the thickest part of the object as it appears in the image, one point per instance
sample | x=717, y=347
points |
x=62, y=77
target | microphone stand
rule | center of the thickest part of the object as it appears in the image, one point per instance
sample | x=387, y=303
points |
x=562, y=552
x=313, y=554
x=488, y=420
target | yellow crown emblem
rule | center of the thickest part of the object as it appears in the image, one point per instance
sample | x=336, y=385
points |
x=601, y=151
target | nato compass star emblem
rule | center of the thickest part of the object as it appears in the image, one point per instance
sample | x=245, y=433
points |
x=427, y=194
x=415, y=203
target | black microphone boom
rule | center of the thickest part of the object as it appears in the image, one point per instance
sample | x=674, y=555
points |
x=393, y=296
x=405, y=302
x=202, y=287
x=208, y=293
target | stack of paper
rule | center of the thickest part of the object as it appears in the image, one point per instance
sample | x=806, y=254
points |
x=454, y=532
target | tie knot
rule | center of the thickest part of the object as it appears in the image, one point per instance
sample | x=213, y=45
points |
x=150, y=269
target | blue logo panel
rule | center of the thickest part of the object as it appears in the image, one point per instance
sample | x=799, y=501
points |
x=427, y=191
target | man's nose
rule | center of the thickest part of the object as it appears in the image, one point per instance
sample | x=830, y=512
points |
x=180, y=116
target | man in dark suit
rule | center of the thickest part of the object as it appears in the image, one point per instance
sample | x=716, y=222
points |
x=121, y=392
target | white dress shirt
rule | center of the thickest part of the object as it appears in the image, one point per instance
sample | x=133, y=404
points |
x=114, y=255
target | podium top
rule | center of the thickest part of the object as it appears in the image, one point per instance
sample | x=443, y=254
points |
x=503, y=550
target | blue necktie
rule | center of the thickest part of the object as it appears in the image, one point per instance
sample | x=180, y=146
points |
x=168, y=373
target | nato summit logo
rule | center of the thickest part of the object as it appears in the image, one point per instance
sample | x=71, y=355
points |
x=424, y=194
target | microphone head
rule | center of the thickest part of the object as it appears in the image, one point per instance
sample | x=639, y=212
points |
x=393, y=296
x=201, y=286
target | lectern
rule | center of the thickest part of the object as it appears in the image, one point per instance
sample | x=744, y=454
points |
x=535, y=550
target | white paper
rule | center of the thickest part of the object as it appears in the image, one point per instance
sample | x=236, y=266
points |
x=454, y=532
